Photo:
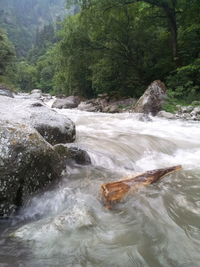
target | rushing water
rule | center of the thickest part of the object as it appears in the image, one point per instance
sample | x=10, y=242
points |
x=157, y=226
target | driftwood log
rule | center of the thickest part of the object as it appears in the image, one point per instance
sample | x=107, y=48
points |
x=115, y=191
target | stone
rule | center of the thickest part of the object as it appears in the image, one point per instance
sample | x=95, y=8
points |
x=196, y=111
x=116, y=191
x=55, y=128
x=186, y=109
x=5, y=91
x=68, y=102
x=36, y=91
x=166, y=115
x=71, y=153
x=152, y=99
x=89, y=106
x=28, y=164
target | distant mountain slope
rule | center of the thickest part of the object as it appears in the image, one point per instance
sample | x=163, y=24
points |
x=22, y=18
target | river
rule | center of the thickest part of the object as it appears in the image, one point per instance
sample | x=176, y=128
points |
x=157, y=226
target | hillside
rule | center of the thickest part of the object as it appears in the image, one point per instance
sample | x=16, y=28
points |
x=22, y=18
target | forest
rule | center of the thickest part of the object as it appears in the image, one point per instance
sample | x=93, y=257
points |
x=103, y=46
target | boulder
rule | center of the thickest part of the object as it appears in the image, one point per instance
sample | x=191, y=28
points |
x=115, y=106
x=186, y=109
x=75, y=154
x=166, y=115
x=5, y=91
x=68, y=102
x=89, y=106
x=55, y=128
x=35, y=94
x=36, y=91
x=152, y=99
x=27, y=165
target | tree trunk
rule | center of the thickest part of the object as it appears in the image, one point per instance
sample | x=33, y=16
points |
x=171, y=17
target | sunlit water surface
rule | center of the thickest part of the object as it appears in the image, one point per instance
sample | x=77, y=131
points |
x=157, y=226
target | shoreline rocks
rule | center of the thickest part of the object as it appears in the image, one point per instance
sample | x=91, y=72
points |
x=107, y=104
x=68, y=102
x=5, y=91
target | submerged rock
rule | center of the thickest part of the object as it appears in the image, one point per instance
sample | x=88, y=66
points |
x=55, y=128
x=27, y=165
x=68, y=102
x=69, y=221
x=152, y=99
x=73, y=153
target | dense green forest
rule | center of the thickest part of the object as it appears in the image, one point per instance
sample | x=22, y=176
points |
x=110, y=46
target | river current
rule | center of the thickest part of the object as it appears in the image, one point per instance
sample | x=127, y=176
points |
x=159, y=225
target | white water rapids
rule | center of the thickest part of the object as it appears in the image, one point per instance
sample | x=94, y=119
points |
x=157, y=226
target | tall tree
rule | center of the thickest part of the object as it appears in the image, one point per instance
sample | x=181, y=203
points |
x=6, y=52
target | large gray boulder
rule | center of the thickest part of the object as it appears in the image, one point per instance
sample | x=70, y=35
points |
x=152, y=99
x=55, y=128
x=27, y=165
x=5, y=91
x=68, y=102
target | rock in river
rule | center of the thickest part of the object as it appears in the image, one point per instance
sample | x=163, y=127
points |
x=68, y=102
x=152, y=99
x=75, y=154
x=5, y=91
x=55, y=128
x=27, y=164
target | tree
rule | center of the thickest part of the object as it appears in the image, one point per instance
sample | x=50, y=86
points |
x=6, y=52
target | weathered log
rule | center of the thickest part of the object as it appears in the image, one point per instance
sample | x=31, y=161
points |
x=115, y=191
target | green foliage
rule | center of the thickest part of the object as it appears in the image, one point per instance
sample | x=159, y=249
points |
x=184, y=83
x=6, y=52
x=45, y=70
x=117, y=50
x=109, y=46
x=73, y=59
x=26, y=76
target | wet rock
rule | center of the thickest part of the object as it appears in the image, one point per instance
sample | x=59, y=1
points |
x=68, y=102
x=5, y=91
x=107, y=104
x=27, y=165
x=36, y=95
x=195, y=111
x=166, y=115
x=36, y=91
x=73, y=153
x=89, y=106
x=152, y=99
x=186, y=109
x=75, y=218
x=116, y=106
x=55, y=128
